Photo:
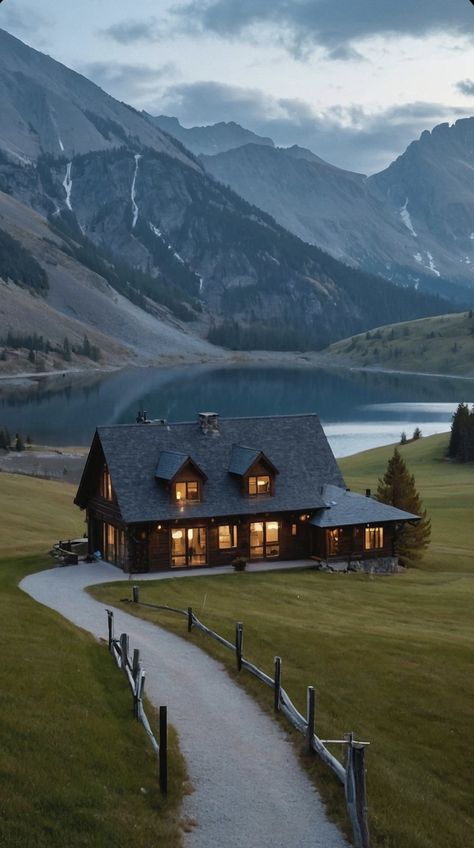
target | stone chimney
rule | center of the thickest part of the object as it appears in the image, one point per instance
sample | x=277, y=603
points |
x=209, y=422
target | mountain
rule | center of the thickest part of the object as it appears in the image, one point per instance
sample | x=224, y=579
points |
x=48, y=109
x=412, y=223
x=138, y=211
x=212, y=139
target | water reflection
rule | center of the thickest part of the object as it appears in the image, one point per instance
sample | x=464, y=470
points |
x=360, y=409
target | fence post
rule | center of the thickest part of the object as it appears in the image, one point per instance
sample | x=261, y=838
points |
x=135, y=662
x=356, y=793
x=310, y=710
x=163, y=753
x=110, y=623
x=124, y=650
x=190, y=619
x=277, y=683
x=136, y=594
x=239, y=640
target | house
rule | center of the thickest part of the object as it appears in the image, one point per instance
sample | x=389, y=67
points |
x=164, y=495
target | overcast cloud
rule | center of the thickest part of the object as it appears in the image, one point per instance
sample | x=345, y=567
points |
x=334, y=24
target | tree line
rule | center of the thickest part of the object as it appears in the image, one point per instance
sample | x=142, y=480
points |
x=18, y=443
x=19, y=266
x=34, y=343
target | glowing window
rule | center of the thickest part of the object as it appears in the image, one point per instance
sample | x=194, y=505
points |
x=259, y=485
x=106, y=484
x=187, y=491
x=373, y=538
x=227, y=536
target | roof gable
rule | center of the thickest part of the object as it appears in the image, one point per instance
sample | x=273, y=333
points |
x=345, y=508
x=242, y=460
x=170, y=463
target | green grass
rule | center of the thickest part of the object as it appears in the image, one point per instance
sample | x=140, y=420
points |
x=392, y=658
x=76, y=770
x=440, y=345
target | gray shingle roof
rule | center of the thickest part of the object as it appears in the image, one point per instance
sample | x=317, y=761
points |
x=344, y=508
x=296, y=444
x=242, y=458
x=169, y=463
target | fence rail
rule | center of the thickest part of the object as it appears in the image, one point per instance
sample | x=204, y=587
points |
x=352, y=775
x=135, y=675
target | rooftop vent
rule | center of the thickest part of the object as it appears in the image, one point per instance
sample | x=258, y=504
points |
x=209, y=422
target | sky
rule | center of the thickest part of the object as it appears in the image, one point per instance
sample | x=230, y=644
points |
x=353, y=80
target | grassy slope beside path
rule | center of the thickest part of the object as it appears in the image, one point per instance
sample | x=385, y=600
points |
x=75, y=770
x=391, y=658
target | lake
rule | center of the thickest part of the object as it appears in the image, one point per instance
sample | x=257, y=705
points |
x=358, y=409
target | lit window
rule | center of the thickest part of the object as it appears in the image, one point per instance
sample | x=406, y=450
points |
x=106, y=484
x=227, y=536
x=259, y=485
x=293, y=529
x=188, y=491
x=373, y=538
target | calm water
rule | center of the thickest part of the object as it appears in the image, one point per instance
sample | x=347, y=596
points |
x=358, y=409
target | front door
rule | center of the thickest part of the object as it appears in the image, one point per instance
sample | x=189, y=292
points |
x=188, y=546
x=264, y=539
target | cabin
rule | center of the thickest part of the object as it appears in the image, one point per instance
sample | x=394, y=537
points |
x=161, y=496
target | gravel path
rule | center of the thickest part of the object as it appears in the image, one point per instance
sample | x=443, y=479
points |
x=250, y=791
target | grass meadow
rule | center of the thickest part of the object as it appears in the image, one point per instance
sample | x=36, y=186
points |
x=392, y=658
x=76, y=770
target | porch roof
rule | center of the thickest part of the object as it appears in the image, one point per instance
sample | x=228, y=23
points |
x=344, y=507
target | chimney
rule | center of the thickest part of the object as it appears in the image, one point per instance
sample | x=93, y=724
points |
x=368, y=493
x=209, y=422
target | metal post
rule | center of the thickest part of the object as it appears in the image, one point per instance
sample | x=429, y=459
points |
x=163, y=754
x=310, y=710
x=277, y=683
x=239, y=639
x=136, y=594
x=190, y=619
x=110, y=623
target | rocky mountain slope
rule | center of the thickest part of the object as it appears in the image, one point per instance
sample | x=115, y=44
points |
x=412, y=223
x=174, y=246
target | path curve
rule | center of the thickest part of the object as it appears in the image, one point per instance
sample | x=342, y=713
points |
x=250, y=791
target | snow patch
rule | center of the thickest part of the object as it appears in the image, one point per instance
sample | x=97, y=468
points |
x=156, y=231
x=67, y=184
x=472, y=236
x=406, y=218
x=177, y=256
x=61, y=144
x=201, y=284
x=418, y=257
x=432, y=266
x=132, y=195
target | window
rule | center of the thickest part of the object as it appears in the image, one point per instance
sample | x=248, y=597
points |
x=187, y=491
x=227, y=536
x=373, y=538
x=106, y=484
x=293, y=529
x=259, y=485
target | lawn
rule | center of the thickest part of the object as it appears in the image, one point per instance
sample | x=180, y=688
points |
x=76, y=770
x=392, y=658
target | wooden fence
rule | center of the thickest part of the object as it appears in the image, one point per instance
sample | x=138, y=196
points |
x=135, y=675
x=352, y=775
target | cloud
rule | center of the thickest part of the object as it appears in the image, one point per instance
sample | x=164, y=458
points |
x=350, y=137
x=333, y=24
x=23, y=22
x=133, y=31
x=465, y=87
x=132, y=82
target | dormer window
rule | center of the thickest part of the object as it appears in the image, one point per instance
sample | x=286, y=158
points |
x=187, y=490
x=259, y=485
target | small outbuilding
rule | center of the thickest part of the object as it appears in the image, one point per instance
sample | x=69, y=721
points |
x=162, y=496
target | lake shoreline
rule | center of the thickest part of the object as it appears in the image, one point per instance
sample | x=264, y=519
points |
x=26, y=381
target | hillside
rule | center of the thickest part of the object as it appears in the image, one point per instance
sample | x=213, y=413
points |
x=440, y=345
x=212, y=139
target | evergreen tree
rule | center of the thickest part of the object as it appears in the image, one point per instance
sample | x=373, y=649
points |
x=397, y=488
x=66, y=349
x=461, y=437
x=416, y=434
x=19, y=443
x=403, y=438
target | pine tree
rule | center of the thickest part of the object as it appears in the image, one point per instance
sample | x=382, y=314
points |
x=19, y=444
x=66, y=349
x=397, y=488
x=459, y=442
